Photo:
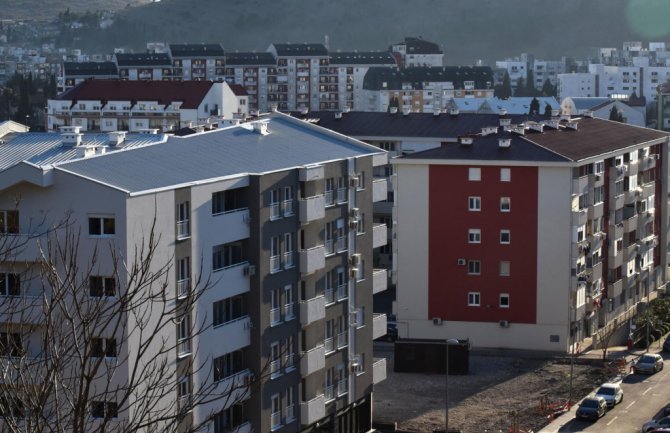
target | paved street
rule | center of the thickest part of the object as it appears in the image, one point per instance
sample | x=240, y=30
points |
x=644, y=396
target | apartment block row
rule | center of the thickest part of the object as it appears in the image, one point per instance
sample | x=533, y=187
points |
x=275, y=214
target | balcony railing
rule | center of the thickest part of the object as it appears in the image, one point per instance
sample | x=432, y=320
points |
x=312, y=310
x=329, y=344
x=342, y=387
x=288, y=260
x=275, y=368
x=289, y=361
x=313, y=410
x=275, y=263
x=329, y=293
x=288, y=208
x=341, y=244
x=275, y=420
x=312, y=360
x=329, y=246
x=290, y=413
x=329, y=392
x=183, y=229
x=329, y=198
x=184, y=403
x=341, y=195
x=342, y=292
x=275, y=316
x=289, y=311
x=342, y=340
x=184, y=347
x=275, y=211
x=183, y=288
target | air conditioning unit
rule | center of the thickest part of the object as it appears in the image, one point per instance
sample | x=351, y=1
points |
x=353, y=181
x=250, y=270
x=355, y=260
x=353, y=272
x=504, y=323
x=437, y=320
x=461, y=262
x=353, y=224
x=354, y=212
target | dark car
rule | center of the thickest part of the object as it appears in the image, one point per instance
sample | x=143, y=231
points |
x=656, y=424
x=666, y=344
x=592, y=408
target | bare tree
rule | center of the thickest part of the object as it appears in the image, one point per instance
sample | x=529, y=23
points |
x=604, y=334
x=84, y=353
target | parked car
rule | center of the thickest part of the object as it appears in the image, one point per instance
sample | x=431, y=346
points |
x=649, y=363
x=611, y=392
x=592, y=408
x=666, y=344
x=655, y=424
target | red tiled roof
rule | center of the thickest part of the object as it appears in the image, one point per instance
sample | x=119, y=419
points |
x=189, y=93
x=238, y=90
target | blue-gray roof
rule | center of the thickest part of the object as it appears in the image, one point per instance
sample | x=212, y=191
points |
x=227, y=152
x=46, y=148
x=589, y=103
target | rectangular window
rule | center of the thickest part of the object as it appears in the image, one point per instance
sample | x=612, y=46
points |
x=474, y=267
x=275, y=360
x=329, y=191
x=360, y=224
x=227, y=365
x=226, y=255
x=505, y=174
x=275, y=211
x=474, y=236
x=101, y=226
x=275, y=259
x=287, y=247
x=505, y=236
x=275, y=415
x=275, y=307
x=101, y=286
x=598, y=194
x=505, y=268
x=474, y=174
x=10, y=284
x=474, y=204
x=504, y=300
x=101, y=409
x=229, y=419
x=9, y=221
x=290, y=405
x=184, y=335
x=505, y=204
x=229, y=200
x=11, y=344
x=103, y=347
x=288, y=201
x=289, y=352
x=473, y=299
x=227, y=310
x=289, y=307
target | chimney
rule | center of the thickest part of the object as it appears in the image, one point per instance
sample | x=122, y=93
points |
x=504, y=143
x=505, y=122
x=454, y=112
x=116, y=138
x=502, y=112
x=488, y=130
x=555, y=112
x=71, y=136
x=539, y=127
x=304, y=111
x=405, y=111
x=587, y=113
x=552, y=123
x=572, y=124
x=338, y=115
x=393, y=110
x=261, y=127
x=436, y=112
x=345, y=110
x=520, y=130
x=148, y=131
x=465, y=141
x=85, y=151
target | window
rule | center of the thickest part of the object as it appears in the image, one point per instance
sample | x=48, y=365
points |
x=505, y=236
x=290, y=405
x=474, y=236
x=360, y=270
x=226, y=255
x=474, y=267
x=505, y=268
x=102, y=409
x=360, y=224
x=474, y=204
x=275, y=415
x=329, y=191
x=184, y=335
x=275, y=310
x=360, y=316
x=227, y=365
x=474, y=174
x=503, y=300
x=9, y=221
x=101, y=286
x=103, y=347
x=275, y=212
x=227, y=420
x=11, y=344
x=288, y=201
x=505, y=204
x=10, y=284
x=505, y=174
x=275, y=259
x=229, y=200
x=289, y=352
x=360, y=183
x=289, y=309
x=473, y=299
x=101, y=226
x=275, y=361
x=598, y=194
x=288, y=250
x=183, y=213
x=228, y=309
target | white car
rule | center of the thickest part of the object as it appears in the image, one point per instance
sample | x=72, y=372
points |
x=611, y=392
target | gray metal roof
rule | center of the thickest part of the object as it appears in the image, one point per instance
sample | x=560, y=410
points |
x=210, y=155
x=588, y=103
x=46, y=148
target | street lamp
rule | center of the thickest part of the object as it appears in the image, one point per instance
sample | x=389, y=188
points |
x=27, y=117
x=447, y=342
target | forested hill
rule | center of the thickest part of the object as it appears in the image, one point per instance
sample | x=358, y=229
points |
x=48, y=9
x=466, y=29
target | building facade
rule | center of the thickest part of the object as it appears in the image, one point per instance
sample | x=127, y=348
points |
x=531, y=236
x=276, y=214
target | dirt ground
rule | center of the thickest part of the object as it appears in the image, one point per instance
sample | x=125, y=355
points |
x=483, y=401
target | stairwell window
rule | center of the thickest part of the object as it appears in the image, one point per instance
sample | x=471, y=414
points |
x=103, y=347
x=102, y=409
x=505, y=268
x=473, y=299
x=101, y=226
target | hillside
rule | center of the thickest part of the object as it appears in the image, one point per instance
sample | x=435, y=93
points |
x=466, y=29
x=48, y=9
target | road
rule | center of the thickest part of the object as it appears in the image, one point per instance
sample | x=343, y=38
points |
x=644, y=396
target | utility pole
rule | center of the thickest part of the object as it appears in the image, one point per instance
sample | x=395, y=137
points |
x=446, y=382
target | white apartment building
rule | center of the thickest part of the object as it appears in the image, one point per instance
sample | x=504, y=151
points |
x=582, y=85
x=417, y=52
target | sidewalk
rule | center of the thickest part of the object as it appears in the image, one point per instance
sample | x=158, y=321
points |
x=613, y=353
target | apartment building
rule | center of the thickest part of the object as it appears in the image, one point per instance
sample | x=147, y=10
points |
x=345, y=91
x=198, y=61
x=631, y=112
x=531, y=235
x=277, y=213
x=250, y=70
x=74, y=73
x=147, y=66
x=423, y=89
x=111, y=105
x=417, y=52
x=577, y=85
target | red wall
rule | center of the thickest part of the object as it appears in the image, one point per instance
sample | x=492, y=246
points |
x=449, y=221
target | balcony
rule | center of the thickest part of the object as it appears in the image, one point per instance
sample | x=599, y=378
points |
x=379, y=235
x=329, y=197
x=342, y=292
x=580, y=184
x=184, y=347
x=312, y=310
x=619, y=201
x=183, y=229
x=313, y=360
x=312, y=259
x=183, y=288
x=342, y=339
x=648, y=189
x=313, y=410
x=616, y=231
x=378, y=325
x=235, y=223
x=379, y=280
x=329, y=392
x=342, y=387
x=234, y=387
x=329, y=294
x=614, y=289
x=648, y=162
x=329, y=344
x=630, y=224
x=579, y=217
x=24, y=309
x=378, y=370
x=312, y=208
x=232, y=335
x=629, y=196
x=379, y=190
x=310, y=173
x=341, y=195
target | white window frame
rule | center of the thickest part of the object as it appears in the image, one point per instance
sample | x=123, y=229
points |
x=474, y=174
x=474, y=299
x=505, y=272
x=474, y=204
x=500, y=300
x=101, y=221
x=474, y=236
x=505, y=204
x=289, y=304
x=505, y=174
x=505, y=233
x=275, y=408
x=474, y=264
